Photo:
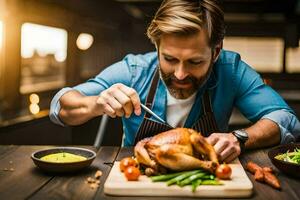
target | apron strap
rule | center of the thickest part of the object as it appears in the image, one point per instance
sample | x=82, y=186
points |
x=207, y=123
x=206, y=103
x=152, y=91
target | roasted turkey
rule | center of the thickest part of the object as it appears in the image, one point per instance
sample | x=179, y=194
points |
x=177, y=150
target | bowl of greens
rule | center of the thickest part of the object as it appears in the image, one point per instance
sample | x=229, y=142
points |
x=286, y=158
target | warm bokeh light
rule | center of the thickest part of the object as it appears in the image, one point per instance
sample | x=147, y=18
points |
x=263, y=54
x=34, y=98
x=84, y=41
x=293, y=59
x=34, y=108
x=43, y=40
x=1, y=34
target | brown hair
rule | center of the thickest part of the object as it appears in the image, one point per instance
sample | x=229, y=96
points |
x=186, y=17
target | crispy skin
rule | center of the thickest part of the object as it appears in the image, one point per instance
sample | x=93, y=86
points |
x=173, y=136
x=203, y=147
x=142, y=155
x=174, y=157
x=177, y=149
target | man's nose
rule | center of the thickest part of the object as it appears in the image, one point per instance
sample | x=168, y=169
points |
x=180, y=72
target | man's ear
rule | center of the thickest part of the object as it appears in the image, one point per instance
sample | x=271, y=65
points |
x=217, y=51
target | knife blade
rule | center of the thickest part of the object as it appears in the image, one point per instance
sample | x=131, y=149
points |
x=154, y=115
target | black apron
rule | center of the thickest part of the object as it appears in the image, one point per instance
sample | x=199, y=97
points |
x=206, y=124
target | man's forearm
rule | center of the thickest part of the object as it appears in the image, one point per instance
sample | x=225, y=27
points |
x=263, y=133
x=76, y=109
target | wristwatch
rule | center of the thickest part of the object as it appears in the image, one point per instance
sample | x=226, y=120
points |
x=242, y=137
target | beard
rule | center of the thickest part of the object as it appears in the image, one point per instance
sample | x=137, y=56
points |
x=181, y=93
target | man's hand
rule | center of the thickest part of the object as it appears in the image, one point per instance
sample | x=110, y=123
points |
x=119, y=100
x=226, y=146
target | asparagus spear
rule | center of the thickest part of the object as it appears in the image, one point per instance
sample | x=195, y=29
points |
x=195, y=184
x=209, y=176
x=191, y=178
x=177, y=179
x=211, y=182
x=165, y=177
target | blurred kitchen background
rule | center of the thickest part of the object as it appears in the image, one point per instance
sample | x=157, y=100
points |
x=49, y=44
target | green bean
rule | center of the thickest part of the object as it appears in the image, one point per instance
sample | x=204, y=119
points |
x=165, y=177
x=195, y=184
x=209, y=176
x=177, y=179
x=211, y=182
x=191, y=178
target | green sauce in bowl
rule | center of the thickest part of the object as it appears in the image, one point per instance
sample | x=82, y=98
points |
x=63, y=157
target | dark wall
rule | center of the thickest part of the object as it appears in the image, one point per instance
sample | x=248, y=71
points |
x=43, y=132
x=38, y=131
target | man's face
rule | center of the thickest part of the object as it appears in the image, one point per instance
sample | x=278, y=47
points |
x=185, y=63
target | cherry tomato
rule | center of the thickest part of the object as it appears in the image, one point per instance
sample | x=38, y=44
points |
x=126, y=162
x=223, y=171
x=132, y=173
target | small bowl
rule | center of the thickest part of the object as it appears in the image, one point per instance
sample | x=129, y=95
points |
x=63, y=167
x=288, y=168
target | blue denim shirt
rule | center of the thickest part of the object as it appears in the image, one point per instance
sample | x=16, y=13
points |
x=232, y=83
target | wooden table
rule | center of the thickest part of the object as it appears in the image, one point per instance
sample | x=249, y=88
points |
x=27, y=182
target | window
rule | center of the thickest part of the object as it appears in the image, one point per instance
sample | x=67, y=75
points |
x=1, y=34
x=293, y=60
x=263, y=54
x=44, y=52
x=1, y=60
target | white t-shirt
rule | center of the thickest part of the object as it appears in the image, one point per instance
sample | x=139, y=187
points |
x=178, y=109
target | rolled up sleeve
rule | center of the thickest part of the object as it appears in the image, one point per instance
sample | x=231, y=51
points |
x=288, y=123
x=257, y=100
x=55, y=106
x=120, y=72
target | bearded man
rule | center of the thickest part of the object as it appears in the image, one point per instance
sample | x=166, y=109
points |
x=190, y=81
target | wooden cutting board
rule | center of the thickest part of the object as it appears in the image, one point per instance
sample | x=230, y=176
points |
x=239, y=185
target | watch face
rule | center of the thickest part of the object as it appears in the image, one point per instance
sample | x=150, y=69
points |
x=242, y=134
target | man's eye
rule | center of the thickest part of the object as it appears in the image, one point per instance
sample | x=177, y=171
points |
x=195, y=62
x=170, y=59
